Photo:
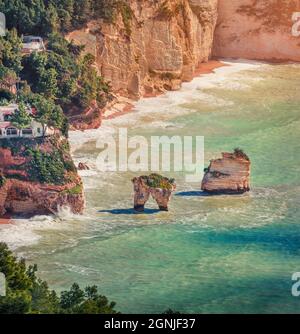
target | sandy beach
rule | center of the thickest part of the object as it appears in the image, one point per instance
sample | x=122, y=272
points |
x=126, y=105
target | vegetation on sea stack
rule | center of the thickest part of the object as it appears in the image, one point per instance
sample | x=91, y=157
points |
x=239, y=153
x=158, y=181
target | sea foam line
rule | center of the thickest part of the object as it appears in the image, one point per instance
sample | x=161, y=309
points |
x=166, y=105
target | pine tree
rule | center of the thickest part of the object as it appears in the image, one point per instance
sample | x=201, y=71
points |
x=21, y=119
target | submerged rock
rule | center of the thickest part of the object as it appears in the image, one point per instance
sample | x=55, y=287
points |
x=83, y=166
x=159, y=187
x=228, y=175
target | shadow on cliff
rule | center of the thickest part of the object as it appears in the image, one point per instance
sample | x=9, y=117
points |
x=130, y=211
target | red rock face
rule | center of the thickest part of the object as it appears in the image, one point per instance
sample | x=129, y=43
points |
x=257, y=29
x=26, y=198
x=168, y=40
x=229, y=175
x=90, y=118
x=22, y=196
x=7, y=159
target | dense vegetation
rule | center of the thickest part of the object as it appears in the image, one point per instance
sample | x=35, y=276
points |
x=239, y=153
x=47, y=160
x=46, y=16
x=159, y=181
x=63, y=78
x=45, y=167
x=27, y=294
x=63, y=75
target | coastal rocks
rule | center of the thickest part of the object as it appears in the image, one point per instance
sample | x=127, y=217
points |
x=160, y=188
x=228, y=175
x=141, y=193
x=38, y=176
x=162, y=197
x=257, y=29
x=83, y=166
x=159, y=45
x=28, y=199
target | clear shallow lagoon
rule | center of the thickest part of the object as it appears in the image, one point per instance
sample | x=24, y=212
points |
x=208, y=254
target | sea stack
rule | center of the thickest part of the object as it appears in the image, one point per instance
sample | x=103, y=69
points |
x=228, y=175
x=159, y=187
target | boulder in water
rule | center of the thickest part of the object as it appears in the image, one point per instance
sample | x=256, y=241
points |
x=228, y=175
x=83, y=166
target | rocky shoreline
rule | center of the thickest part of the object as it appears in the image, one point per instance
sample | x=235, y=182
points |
x=121, y=105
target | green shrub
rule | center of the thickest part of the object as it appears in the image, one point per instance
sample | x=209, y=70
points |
x=239, y=153
x=159, y=181
x=2, y=180
x=46, y=168
x=70, y=166
x=77, y=190
x=127, y=15
x=6, y=95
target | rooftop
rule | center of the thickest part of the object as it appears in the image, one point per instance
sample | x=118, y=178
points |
x=4, y=125
x=10, y=109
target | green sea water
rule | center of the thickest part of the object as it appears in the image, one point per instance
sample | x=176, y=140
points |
x=218, y=254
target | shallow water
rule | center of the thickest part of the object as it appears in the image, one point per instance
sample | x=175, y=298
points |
x=208, y=254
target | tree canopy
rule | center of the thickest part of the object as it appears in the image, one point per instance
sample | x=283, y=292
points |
x=46, y=16
x=54, y=80
x=21, y=118
x=28, y=294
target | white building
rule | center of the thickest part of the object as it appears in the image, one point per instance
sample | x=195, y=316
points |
x=8, y=130
x=32, y=44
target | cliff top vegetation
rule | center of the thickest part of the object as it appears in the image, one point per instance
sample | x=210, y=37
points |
x=63, y=76
x=45, y=160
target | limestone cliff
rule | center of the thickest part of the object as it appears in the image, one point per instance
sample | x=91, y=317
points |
x=159, y=187
x=37, y=176
x=152, y=45
x=257, y=29
x=228, y=175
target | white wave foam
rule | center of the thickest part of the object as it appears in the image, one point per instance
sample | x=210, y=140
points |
x=166, y=105
x=26, y=232
x=23, y=232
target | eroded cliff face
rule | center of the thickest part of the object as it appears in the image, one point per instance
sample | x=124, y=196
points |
x=37, y=176
x=153, y=46
x=257, y=29
x=228, y=175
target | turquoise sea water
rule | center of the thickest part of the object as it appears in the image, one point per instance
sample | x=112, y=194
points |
x=223, y=254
